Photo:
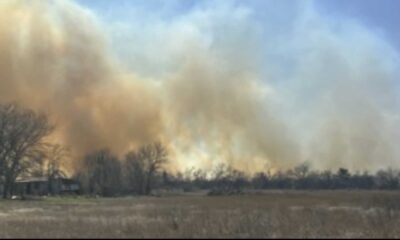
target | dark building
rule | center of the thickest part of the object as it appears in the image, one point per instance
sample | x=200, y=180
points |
x=43, y=186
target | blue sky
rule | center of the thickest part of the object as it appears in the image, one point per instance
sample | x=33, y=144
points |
x=381, y=16
x=275, y=17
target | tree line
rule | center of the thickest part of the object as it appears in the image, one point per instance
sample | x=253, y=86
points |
x=25, y=151
x=225, y=179
x=102, y=173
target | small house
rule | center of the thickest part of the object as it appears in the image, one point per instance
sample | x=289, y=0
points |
x=44, y=186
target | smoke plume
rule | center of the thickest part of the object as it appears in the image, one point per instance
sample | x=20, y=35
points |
x=214, y=85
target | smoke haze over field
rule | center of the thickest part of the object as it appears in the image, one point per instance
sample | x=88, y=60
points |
x=219, y=82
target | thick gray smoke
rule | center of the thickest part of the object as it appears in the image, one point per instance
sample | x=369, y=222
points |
x=214, y=85
x=345, y=84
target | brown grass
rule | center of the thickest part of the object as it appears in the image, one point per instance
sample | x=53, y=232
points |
x=270, y=214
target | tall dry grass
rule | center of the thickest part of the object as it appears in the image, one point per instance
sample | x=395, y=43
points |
x=266, y=215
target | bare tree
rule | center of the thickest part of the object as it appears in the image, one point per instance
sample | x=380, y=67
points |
x=100, y=173
x=302, y=170
x=227, y=180
x=22, y=145
x=56, y=156
x=143, y=165
x=134, y=173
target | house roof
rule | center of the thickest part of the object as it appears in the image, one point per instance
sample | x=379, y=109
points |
x=32, y=179
x=43, y=179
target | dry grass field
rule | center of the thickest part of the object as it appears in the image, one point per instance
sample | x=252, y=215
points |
x=266, y=215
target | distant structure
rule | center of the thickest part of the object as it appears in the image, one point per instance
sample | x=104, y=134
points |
x=44, y=186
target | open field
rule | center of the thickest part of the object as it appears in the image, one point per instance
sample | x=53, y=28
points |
x=267, y=214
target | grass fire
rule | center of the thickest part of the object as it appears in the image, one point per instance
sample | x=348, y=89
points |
x=199, y=119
